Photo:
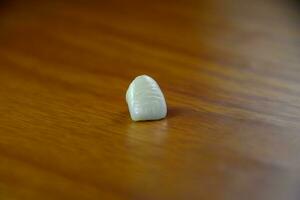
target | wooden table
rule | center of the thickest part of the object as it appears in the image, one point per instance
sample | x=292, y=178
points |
x=230, y=71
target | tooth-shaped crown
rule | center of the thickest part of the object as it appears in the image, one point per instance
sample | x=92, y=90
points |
x=145, y=99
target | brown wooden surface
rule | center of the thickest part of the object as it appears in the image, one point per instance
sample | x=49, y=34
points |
x=230, y=71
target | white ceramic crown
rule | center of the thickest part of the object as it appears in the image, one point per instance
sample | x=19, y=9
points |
x=145, y=99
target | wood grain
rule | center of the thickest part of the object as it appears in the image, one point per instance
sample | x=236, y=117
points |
x=230, y=71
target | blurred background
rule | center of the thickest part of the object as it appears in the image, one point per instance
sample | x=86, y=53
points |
x=230, y=71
